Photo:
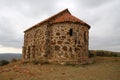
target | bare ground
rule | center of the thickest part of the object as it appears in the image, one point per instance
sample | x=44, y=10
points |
x=104, y=68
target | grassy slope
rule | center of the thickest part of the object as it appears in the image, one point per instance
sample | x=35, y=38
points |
x=104, y=53
x=105, y=68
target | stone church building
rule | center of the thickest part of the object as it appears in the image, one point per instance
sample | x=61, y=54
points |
x=60, y=37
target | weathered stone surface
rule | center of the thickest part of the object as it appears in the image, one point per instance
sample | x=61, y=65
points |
x=57, y=47
x=52, y=42
x=63, y=37
x=70, y=49
x=64, y=48
x=79, y=45
x=77, y=49
x=57, y=34
x=59, y=42
x=67, y=43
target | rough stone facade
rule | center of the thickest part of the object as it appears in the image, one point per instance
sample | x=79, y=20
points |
x=59, y=38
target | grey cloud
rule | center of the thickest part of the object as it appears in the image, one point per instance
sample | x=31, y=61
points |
x=102, y=15
x=35, y=8
x=104, y=20
x=31, y=8
x=93, y=3
x=8, y=36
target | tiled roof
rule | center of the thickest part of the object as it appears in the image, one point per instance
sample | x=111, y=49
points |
x=67, y=17
x=63, y=16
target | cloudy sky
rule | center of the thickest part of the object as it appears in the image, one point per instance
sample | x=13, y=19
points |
x=18, y=15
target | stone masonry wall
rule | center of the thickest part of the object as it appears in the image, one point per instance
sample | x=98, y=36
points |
x=58, y=41
x=69, y=41
x=34, y=42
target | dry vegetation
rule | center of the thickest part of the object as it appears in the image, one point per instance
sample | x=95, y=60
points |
x=104, y=68
x=102, y=53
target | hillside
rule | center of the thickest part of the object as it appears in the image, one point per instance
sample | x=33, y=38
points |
x=103, y=53
x=9, y=56
x=104, y=68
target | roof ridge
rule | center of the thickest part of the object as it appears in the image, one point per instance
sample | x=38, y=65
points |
x=65, y=10
x=65, y=16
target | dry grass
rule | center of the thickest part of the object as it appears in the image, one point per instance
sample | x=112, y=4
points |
x=104, y=68
x=103, y=53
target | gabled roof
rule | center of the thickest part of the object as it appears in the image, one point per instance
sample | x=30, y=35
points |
x=63, y=16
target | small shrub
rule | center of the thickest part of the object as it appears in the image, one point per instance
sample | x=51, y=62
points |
x=102, y=53
x=36, y=62
x=4, y=62
x=24, y=62
x=114, y=55
x=92, y=54
x=42, y=62
x=70, y=64
x=86, y=63
x=14, y=60
x=45, y=62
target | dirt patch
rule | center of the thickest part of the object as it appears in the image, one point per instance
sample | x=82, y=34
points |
x=104, y=68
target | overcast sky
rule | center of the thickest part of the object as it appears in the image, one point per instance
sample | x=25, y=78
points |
x=102, y=15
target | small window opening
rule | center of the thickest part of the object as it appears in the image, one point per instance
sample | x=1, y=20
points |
x=28, y=56
x=71, y=32
x=78, y=42
x=85, y=37
x=75, y=41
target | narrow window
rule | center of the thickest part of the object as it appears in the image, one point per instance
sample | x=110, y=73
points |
x=75, y=41
x=71, y=32
x=78, y=42
x=28, y=56
x=84, y=36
